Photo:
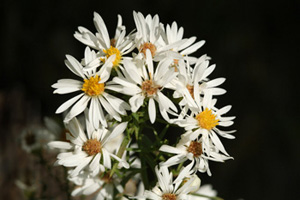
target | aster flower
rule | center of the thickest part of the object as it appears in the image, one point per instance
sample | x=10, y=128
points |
x=35, y=138
x=195, y=152
x=141, y=82
x=205, y=120
x=102, y=185
x=93, y=90
x=167, y=189
x=174, y=35
x=119, y=45
x=88, y=151
x=189, y=77
x=149, y=36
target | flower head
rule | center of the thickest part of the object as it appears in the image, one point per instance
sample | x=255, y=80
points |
x=144, y=83
x=88, y=151
x=94, y=90
x=119, y=45
x=167, y=189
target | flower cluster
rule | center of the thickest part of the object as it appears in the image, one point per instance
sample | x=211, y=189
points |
x=131, y=84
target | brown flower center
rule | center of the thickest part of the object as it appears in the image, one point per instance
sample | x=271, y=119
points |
x=169, y=196
x=149, y=88
x=150, y=46
x=113, y=42
x=92, y=147
x=106, y=177
x=195, y=148
x=191, y=90
x=30, y=138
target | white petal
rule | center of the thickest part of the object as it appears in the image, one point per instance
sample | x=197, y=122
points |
x=60, y=145
x=77, y=108
x=95, y=162
x=101, y=28
x=82, y=165
x=116, y=132
x=74, y=66
x=94, y=114
x=109, y=109
x=136, y=101
x=223, y=110
x=106, y=159
x=68, y=103
x=152, y=110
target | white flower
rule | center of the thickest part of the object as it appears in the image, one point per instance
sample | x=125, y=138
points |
x=149, y=36
x=184, y=47
x=205, y=190
x=205, y=120
x=35, y=138
x=119, y=45
x=88, y=151
x=93, y=90
x=167, y=189
x=193, y=82
x=194, y=151
x=141, y=82
x=102, y=185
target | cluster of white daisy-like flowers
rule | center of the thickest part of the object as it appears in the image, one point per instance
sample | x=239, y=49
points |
x=131, y=89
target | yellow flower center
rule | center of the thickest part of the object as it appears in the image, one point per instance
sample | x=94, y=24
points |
x=92, y=147
x=92, y=87
x=195, y=148
x=111, y=51
x=207, y=120
x=149, y=88
x=149, y=46
x=169, y=196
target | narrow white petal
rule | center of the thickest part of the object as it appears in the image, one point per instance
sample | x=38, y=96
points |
x=106, y=159
x=136, y=101
x=68, y=103
x=170, y=149
x=152, y=110
x=101, y=28
x=74, y=66
x=82, y=165
x=119, y=129
x=109, y=109
x=77, y=108
x=60, y=145
x=95, y=162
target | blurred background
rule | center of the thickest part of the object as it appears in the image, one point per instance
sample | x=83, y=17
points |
x=255, y=45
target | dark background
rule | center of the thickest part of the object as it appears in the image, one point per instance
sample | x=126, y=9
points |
x=255, y=45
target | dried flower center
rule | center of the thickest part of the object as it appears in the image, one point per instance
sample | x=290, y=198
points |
x=149, y=88
x=207, y=120
x=92, y=87
x=111, y=51
x=149, y=46
x=106, y=177
x=191, y=90
x=169, y=196
x=30, y=138
x=175, y=65
x=195, y=148
x=113, y=42
x=92, y=147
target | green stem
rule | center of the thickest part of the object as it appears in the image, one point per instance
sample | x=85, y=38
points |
x=119, y=154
